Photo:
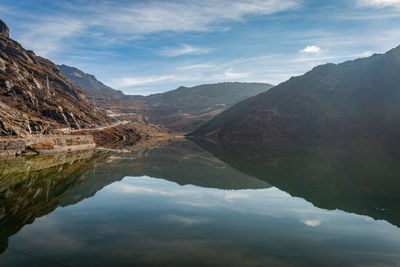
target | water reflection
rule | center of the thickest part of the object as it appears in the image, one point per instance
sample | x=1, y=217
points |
x=174, y=203
x=362, y=177
x=33, y=187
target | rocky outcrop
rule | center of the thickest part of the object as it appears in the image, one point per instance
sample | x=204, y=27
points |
x=124, y=134
x=4, y=29
x=35, y=97
x=46, y=144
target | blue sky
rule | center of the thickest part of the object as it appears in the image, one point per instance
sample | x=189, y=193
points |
x=144, y=47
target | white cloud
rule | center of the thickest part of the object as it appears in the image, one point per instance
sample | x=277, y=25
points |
x=134, y=81
x=184, y=50
x=311, y=49
x=230, y=75
x=380, y=3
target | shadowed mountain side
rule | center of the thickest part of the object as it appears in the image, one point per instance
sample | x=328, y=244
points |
x=33, y=187
x=354, y=99
x=180, y=161
x=358, y=177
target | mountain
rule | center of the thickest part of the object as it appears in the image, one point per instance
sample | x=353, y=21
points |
x=353, y=99
x=35, y=97
x=180, y=110
x=89, y=85
x=186, y=108
x=206, y=97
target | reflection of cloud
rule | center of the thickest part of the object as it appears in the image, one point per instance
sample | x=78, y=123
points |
x=311, y=223
x=198, y=204
x=186, y=221
x=231, y=195
x=48, y=226
x=128, y=189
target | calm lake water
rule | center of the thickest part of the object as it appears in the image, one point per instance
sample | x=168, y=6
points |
x=179, y=203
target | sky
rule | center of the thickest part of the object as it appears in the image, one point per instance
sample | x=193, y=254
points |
x=145, y=47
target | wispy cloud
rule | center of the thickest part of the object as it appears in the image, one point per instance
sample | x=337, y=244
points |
x=48, y=37
x=380, y=3
x=180, y=16
x=134, y=81
x=128, y=21
x=184, y=49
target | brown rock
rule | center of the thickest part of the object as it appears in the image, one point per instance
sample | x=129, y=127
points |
x=4, y=29
x=35, y=97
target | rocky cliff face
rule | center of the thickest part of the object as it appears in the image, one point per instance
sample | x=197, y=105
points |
x=4, y=29
x=35, y=97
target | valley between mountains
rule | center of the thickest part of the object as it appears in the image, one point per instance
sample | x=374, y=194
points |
x=355, y=99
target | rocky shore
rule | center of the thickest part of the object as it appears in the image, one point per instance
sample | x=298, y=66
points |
x=45, y=144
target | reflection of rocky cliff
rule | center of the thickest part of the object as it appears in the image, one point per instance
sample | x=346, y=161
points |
x=33, y=187
x=179, y=161
x=358, y=177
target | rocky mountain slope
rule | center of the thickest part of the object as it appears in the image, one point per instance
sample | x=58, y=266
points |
x=186, y=108
x=354, y=99
x=180, y=110
x=89, y=85
x=35, y=97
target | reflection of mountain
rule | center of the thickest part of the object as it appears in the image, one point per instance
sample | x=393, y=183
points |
x=180, y=161
x=359, y=177
x=33, y=187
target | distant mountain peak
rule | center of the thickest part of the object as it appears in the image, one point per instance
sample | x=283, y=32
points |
x=93, y=88
x=4, y=29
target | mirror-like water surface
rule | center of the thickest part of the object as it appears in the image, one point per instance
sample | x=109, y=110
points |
x=179, y=203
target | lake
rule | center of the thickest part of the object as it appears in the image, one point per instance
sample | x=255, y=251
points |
x=184, y=203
